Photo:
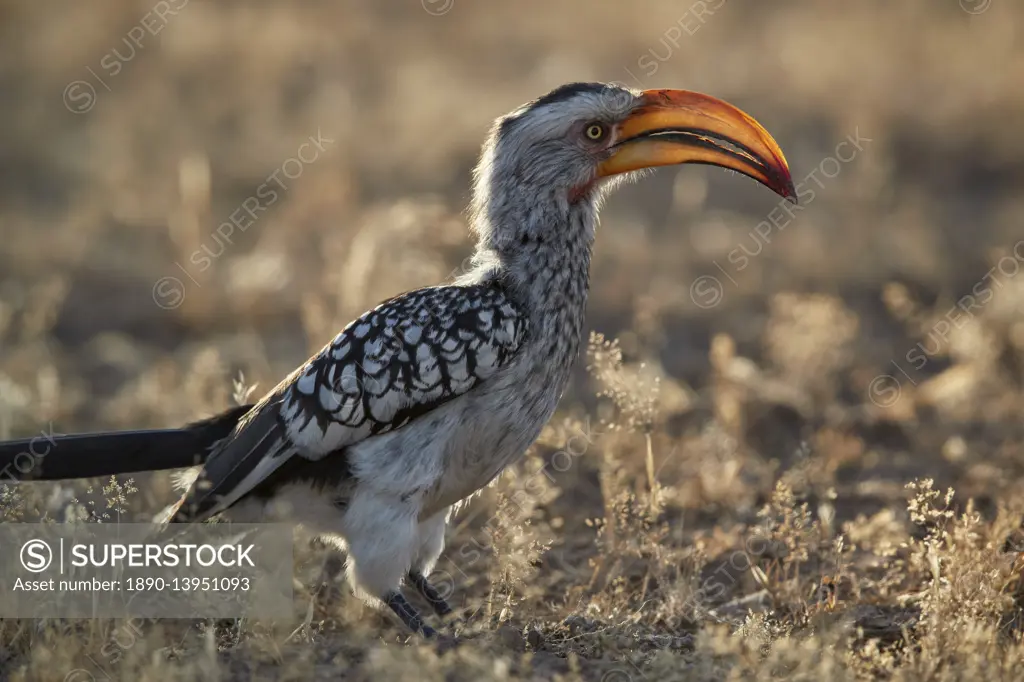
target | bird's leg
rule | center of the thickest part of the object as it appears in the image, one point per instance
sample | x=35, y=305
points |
x=412, y=619
x=382, y=533
x=431, y=544
x=430, y=593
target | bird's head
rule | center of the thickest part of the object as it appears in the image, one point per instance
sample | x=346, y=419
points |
x=569, y=146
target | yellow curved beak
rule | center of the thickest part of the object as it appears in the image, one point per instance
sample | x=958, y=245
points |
x=678, y=126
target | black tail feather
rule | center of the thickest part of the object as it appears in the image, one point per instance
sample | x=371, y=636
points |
x=52, y=458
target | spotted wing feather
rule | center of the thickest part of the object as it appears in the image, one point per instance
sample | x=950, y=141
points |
x=400, y=360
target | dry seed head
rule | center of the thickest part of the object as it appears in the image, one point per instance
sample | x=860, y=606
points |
x=634, y=392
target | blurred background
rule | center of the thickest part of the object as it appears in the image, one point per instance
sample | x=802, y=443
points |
x=195, y=190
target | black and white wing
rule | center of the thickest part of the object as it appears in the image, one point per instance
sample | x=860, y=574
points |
x=399, y=361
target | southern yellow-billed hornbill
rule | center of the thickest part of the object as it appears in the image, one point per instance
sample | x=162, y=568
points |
x=425, y=399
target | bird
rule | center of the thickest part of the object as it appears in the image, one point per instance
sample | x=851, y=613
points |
x=424, y=400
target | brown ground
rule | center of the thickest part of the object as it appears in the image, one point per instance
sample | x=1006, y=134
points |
x=750, y=515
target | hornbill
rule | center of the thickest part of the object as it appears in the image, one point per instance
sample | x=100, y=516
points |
x=424, y=400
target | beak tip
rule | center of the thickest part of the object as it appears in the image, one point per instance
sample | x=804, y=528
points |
x=787, y=190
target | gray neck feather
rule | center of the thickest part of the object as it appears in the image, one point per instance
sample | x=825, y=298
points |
x=539, y=245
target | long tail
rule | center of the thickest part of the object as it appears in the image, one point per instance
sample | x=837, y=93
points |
x=52, y=458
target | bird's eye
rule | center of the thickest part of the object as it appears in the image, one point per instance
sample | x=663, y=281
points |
x=595, y=131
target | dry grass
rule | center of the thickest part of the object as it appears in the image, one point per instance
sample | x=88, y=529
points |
x=743, y=482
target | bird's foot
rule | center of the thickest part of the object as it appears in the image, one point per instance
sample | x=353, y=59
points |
x=430, y=593
x=408, y=614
